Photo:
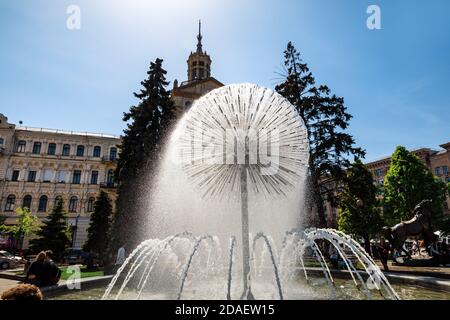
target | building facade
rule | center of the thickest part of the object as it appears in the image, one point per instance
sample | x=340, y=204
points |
x=199, y=80
x=39, y=166
x=437, y=161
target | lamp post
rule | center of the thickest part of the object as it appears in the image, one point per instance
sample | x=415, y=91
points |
x=75, y=231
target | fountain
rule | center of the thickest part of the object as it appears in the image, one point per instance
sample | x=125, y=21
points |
x=238, y=160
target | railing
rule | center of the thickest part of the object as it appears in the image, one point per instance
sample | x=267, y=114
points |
x=108, y=185
x=77, y=133
x=109, y=159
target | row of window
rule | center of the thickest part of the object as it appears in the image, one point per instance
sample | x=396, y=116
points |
x=43, y=202
x=441, y=170
x=61, y=176
x=51, y=149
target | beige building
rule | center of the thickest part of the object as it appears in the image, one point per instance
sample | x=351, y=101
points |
x=37, y=166
x=199, y=80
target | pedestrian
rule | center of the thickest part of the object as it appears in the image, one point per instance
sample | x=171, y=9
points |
x=120, y=259
x=52, y=268
x=36, y=273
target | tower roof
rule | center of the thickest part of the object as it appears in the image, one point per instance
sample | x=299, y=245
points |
x=199, y=37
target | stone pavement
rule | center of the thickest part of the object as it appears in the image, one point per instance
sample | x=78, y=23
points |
x=5, y=284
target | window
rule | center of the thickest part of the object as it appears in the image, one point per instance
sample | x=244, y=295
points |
x=90, y=206
x=31, y=176
x=94, y=177
x=445, y=170
x=97, y=152
x=201, y=63
x=201, y=73
x=66, y=150
x=10, y=202
x=378, y=173
x=76, y=179
x=51, y=149
x=48, y=175
x=43, y=204
x=437, y=171
x=80, y=151
x=187, y=105
x=2, y=141
x=110, y=178
x=61, y=176
x=57, y=199
x=73, y=204
x=37, y=148
x=26, y=202
x=15, y=175
x=113, y=153
x=21, y=145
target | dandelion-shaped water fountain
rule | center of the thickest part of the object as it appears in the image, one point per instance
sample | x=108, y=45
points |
x=237, y=141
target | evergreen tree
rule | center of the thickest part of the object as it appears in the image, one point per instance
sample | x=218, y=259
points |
x=54, y=233
x=408, y=182
x=99, y=227
x=359, y=212
x=148, y=124
x=326, y=118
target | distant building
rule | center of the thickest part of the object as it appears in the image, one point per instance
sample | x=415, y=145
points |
x=39, y=166
x=199, y=80
x=437, y=161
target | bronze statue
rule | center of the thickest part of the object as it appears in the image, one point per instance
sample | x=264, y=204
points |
x=420, y=224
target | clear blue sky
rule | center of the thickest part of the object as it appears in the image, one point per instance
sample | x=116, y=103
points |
x=395, y=81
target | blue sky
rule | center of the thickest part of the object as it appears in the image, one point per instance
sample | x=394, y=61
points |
x=395, y=81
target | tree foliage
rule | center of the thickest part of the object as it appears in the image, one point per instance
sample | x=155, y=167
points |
x=359, y=212
x=27, y=224
x=326, y=119
x=99, y=227
x=148, y=124
x=408, y=182
x=54, y=233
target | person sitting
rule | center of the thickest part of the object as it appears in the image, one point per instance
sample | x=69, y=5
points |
x=36, y=273
x=23, y=292
x=52, y=268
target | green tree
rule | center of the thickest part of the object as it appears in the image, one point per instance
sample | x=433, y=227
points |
x=359, y=212
x=148, y=124
x=326, y=118
x=26, y=225
x=54, y=232
x=408, y=182
x=99, y=227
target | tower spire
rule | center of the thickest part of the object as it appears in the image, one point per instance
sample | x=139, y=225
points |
x=199, y=37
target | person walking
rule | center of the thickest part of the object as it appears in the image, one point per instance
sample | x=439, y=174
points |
x=120, y=259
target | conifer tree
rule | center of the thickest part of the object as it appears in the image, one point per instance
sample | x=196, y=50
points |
x=326, y=119
x=359, y=212
x=148, y=124
x=99, y=227
x=54, y=233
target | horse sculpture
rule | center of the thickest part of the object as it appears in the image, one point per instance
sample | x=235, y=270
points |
x=420, y=224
